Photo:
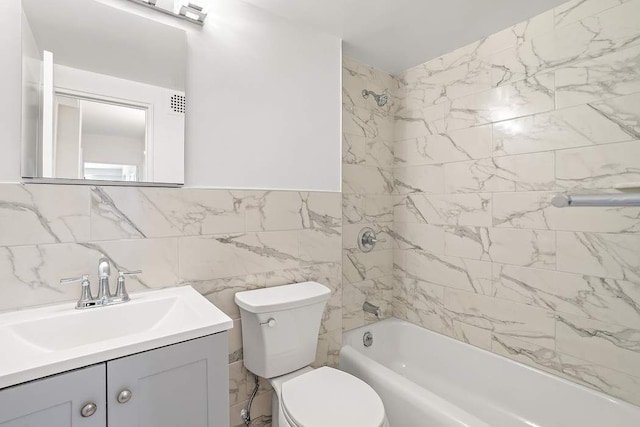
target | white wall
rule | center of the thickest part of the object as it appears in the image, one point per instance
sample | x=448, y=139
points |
x=263, y=99
x=10, y=88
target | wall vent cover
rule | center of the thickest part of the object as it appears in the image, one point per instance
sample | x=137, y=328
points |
x=178, y=103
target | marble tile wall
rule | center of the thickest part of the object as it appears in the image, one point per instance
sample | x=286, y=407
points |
x=368, y=185
x=484, y=137
x=220, y=242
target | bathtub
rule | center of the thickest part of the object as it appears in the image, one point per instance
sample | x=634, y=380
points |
x=428, y=379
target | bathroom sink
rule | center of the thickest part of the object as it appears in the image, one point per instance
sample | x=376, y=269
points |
x=47, y=340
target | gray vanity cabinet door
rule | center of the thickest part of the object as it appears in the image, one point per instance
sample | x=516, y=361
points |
x=182, y=385
x=57, y=401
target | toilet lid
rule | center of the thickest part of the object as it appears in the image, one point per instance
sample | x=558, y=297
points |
x=329, y=397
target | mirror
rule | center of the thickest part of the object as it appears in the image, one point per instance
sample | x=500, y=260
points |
x=103, y=95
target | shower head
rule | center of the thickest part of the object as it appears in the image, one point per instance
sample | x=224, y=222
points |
x=381, y=99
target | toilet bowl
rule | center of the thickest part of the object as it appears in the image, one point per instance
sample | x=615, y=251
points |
x=325, y=397
x=279, y=334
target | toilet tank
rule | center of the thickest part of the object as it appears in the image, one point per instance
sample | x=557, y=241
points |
x=280, y=327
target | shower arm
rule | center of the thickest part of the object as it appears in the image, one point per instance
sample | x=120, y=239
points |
x=381, y=99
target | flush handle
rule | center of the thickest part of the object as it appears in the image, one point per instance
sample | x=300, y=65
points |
x=124, y=396
x=270, y=323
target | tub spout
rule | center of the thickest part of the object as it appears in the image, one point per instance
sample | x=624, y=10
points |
x=373, y=309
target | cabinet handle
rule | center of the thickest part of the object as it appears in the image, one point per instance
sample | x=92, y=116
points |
x=88, y=410
x=124, y=396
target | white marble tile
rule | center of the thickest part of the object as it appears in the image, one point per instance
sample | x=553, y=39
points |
x=530, y=324
x=493, y=43
x=222, y=291
x=354, y=149
x=358, y=266
x=30, y=275
x=624, y=111
x=602, y=166
x=411, y=124
x=576, y=10
x=532, y=248
x=599, y=342
x=34, y=214
x=608, y=300
x=157, y=258
x=427, y=306
x=470, y=334
x=328, y=350
x=366, y=180
x=366, y=208
x=510, y=246
x=534, y=210
x=292, y=210
x=368, y=123
x=419, y=236
x=467, y=242
x=531, y=96
x=509, y=173
x=460, y=145
x=596, y=79
x=419, y=179
x=321, y=245
x=594, y=36
x=453, y=272
x=595, y=376
x=423, y=90
x=138, y=212
x=579, y=126
x=238, y=385
x=449, y=209
x=379, y=152
x=211, y=257
x=274, y=210
x=359, y=150
x=599, y=254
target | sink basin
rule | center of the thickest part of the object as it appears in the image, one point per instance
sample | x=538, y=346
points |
x=48, y=340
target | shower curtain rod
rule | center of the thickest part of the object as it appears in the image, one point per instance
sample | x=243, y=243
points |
x=619, y=200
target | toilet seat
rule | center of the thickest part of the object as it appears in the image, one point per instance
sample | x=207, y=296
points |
x=329, y=397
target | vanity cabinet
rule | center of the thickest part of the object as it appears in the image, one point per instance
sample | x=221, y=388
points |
x=179, y=385
x=184, y=384
x=57, y=401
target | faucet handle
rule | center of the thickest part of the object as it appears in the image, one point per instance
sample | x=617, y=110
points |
x=129, y=273
x=83, y=278
x=86, y=299
x=121, y=290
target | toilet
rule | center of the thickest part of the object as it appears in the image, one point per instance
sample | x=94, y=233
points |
x=280, y=333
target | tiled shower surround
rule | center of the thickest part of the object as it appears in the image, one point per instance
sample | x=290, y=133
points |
x=220, y=242
x=484, y=137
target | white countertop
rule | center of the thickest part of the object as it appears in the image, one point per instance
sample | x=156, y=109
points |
x=43, y=341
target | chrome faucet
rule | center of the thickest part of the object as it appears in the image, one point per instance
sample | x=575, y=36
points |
x=373, y=309
x=104, y=272
x=104, y=297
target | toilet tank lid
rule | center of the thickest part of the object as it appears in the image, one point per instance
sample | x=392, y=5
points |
x=280, y=298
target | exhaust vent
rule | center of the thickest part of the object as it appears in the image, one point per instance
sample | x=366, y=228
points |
x=178, y=103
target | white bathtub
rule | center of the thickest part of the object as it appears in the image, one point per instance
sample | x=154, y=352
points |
x=427, y=379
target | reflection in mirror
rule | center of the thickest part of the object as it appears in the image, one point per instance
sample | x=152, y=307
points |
x=103, y=96
x=98, y=141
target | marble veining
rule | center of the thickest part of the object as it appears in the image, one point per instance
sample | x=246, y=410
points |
x=485, y=136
